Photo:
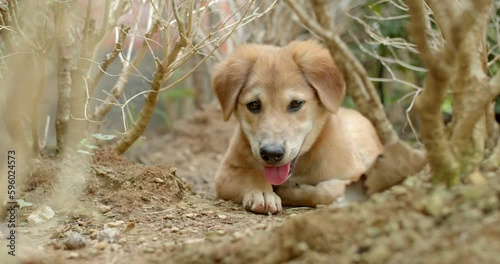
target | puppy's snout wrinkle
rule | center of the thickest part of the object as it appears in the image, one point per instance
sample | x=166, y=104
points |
x=272, y=154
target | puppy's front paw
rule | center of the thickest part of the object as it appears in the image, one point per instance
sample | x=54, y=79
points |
x=262, y=202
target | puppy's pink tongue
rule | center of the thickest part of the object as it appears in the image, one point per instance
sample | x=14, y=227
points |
x=277, y=175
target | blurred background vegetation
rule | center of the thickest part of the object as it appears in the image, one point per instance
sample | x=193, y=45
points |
x=367, y=27
x=374, y=30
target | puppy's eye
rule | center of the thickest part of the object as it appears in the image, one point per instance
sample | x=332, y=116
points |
x=295, y=105
x=254, y=106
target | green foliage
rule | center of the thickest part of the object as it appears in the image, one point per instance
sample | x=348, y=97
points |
x=390, y=28
x=22, y=203
x=164, y=116
x=103, y=137
x=497, y=105
x=447, y=106
x=173, y=96
x=348, y=103
x=177, y=93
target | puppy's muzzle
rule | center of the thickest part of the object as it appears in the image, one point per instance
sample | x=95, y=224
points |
x=272, y=154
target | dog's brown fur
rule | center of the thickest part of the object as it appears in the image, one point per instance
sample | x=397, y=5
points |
x=335, y=146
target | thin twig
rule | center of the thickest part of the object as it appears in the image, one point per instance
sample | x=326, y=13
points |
x=102, y=110
x=359, y=86
x=43, y=142
x=42, y=77
x=215, y=47
x=110, y=57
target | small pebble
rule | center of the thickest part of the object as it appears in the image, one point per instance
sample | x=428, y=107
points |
x=379, y=254
x=129, y=226
x=222, y=216
x=158, y=180
x=109, y=234
x=116, y=223
x=191, y=215
x=169, y=244
x=477, y=178
x=41, y=215
x=115, y=247
x=149, y=250
x=238, y=234
x=170, y=217
x=57, y=245
x=75, y=241
x=101, y=245
x=399, y=190
x=104, y=209
x=93, y=233
x=207, y=212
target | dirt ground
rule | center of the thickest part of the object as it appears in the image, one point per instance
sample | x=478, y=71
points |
x=164, y=211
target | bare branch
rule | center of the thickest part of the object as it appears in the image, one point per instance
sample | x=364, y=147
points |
x=477, y=105
x=443, y=14
x=5, y=29
x=417, y=30
x=110, y=57
x=101, y=111
x=378, y=38
x=432, y=130
x=394, y=60
x=470, y=52
x=214, y=48
x=493, y=161
x=146, y=113
x=43, y=142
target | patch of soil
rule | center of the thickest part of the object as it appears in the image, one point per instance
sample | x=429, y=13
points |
x=412, y=223
x=42, y=174
x=126, y=184
x=135, y=213
x=196, y=147
x=148, y=217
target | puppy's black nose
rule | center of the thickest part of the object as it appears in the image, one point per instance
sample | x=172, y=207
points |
x=272, y=154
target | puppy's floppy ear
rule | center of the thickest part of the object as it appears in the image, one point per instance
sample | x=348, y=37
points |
x=320, y=70
x=230, y=76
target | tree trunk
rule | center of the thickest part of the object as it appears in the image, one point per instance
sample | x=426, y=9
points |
x=65, y=49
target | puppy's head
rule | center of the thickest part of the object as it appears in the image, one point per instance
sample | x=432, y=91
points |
x=281, y=97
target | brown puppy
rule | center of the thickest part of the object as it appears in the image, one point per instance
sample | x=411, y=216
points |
x=292, y=134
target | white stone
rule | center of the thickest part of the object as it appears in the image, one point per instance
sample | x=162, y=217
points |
x=41, y=215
